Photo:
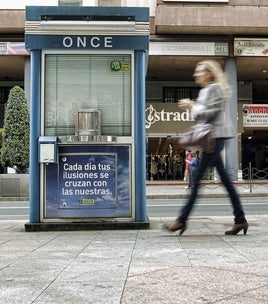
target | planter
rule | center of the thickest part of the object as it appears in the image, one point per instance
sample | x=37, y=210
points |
x=14, y=185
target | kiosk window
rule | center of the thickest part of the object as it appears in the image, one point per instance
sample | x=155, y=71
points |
x=87, y=81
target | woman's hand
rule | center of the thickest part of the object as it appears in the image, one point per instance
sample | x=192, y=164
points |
x=186, y=104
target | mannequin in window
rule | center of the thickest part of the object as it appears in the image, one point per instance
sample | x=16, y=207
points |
x=170, y=158
x=188, y=159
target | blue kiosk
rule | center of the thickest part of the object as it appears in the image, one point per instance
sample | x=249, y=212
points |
x=87, y=151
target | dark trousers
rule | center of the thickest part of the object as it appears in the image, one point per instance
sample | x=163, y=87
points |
x=191, y=177
x=213, y=160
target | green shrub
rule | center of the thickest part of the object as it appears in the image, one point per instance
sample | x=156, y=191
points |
x=16, y=133
x=1, y=131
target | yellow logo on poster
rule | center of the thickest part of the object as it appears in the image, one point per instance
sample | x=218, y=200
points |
x=86, y=201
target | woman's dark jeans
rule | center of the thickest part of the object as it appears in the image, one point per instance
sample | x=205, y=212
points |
x=213, y=160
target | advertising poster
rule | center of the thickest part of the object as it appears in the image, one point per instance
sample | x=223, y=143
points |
x=89, y=181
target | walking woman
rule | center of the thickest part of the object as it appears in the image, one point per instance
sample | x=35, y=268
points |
x=210, y=108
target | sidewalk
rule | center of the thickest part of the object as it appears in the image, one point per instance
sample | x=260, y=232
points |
x=136, y=266
x=148, y=266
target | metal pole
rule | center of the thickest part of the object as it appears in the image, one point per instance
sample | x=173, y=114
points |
x=151, y=177
x=250, y=177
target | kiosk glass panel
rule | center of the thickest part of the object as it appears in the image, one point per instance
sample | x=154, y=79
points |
x=100, y=81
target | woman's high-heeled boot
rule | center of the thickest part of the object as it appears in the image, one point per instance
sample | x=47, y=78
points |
x=236, y=228
x=174, y=226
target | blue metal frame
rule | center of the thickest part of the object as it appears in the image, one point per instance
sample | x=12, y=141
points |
x=140, y=138
x=35, y=130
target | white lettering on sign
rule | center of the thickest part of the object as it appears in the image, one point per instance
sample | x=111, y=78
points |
x=85, y=41
x=153, y=116
x=80, y=179
x=81, y=42
x=67, y=42
x=95, y=42
x=108, y=42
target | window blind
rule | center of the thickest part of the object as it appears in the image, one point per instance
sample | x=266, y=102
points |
x=87, y=81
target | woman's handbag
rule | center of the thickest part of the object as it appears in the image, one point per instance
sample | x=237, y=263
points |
x=199, y=135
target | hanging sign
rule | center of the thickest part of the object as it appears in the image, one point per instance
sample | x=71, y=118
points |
x=255, y=115
x=251, y=47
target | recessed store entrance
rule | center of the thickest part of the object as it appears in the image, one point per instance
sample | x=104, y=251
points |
x=165, y=158
x=255, y=155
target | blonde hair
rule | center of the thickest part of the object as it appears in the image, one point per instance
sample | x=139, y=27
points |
x=219, y=76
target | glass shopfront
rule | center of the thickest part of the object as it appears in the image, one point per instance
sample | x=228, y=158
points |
x=165, y=157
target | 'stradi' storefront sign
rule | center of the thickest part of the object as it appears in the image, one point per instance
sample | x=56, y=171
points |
x=165, y=118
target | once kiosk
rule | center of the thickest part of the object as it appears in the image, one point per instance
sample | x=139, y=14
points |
x=87, y=158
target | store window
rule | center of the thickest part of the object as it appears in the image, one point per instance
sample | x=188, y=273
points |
x=173, y=94
x=87, y=81
x=165, y=158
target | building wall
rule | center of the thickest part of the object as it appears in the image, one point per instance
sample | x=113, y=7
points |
x=167, y=17
x=12, y=22
x=211, y=19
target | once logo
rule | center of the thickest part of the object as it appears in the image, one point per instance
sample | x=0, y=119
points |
x=88, y=41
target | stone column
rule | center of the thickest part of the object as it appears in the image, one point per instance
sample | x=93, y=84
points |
x=231, y=145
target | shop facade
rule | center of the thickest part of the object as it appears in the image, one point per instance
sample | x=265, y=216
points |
x=186, y=32
x=235, y=33
x=166, y=123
